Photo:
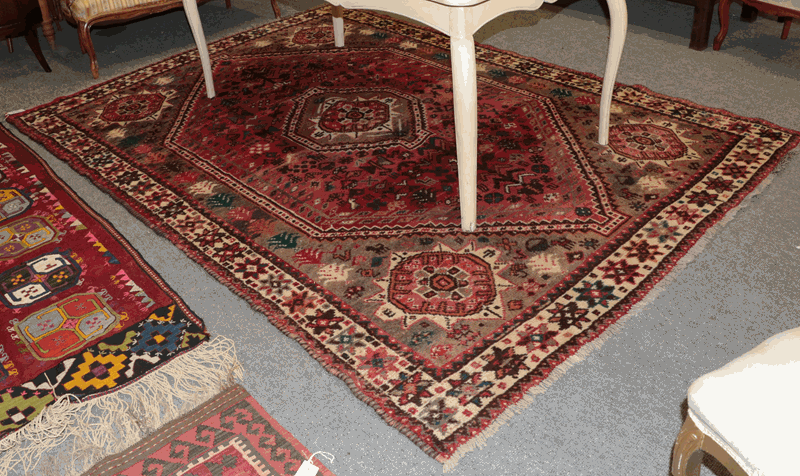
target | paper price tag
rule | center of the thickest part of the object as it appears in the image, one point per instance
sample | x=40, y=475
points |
x=307, y=469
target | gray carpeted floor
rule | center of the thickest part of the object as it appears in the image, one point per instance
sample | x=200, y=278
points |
x=618, y=411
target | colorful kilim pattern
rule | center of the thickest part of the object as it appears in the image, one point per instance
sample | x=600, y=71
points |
x=82, y=313
x=229, y=434
x=321, y=185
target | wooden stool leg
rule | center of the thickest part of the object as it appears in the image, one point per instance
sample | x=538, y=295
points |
x=47, y=23
x=724, y=13
x=787, y=23
x=687, y=454
x=33, y=42
x=691, y=444
x=701, y=24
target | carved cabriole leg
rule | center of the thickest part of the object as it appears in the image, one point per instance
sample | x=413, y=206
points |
x=338, y=25
x=88, y=47
x=81, y=40
x=275, y=9
x=193, y=16
x=687, y=454
x=619, y=26
x=724, y=12
x=465, y=110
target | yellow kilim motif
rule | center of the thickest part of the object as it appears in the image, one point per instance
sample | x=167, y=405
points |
x=97, y=371
x=163, y=314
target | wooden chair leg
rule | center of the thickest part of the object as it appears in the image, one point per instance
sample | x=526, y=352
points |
x=47, y=23
x=687, y=454
x=701, y=24
x=691, y=444
x=81, y=40
x=724, y=13
x=33, y=42
x=787, y=23
x=276, y=9
x=88, y=47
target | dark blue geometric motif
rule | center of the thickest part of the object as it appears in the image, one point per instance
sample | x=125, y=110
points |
x=159, y=336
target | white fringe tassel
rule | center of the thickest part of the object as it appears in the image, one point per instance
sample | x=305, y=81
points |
x=480, y=440
x=67, y=438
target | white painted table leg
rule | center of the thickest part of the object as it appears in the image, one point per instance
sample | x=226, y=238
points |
x=190, y=7
x=465, y=109
x=338, y=26
x=619, y=26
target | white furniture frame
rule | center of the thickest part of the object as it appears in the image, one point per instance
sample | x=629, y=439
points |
x=193, y=16
x=745, y=414
x=460, y=19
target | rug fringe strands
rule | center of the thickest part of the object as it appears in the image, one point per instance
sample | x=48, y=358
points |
x=529, y=398
x=67, y=438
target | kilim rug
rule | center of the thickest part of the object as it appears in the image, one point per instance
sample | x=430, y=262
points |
x=82, y=313
x=321, y=185
x=229, y=434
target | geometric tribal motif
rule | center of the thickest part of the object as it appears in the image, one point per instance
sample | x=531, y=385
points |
x=37, y=279
x=12, y=202
x=229, y=434
x=321, y=184
x=18, y=406
x=82, y=313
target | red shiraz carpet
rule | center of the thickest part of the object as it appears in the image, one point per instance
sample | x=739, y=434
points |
x=321, y=185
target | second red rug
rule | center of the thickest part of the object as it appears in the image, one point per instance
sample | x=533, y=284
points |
x=229, y=434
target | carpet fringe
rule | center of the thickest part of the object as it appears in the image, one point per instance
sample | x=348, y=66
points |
x=700, y=246
x=67, y=438
x=482, y=439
